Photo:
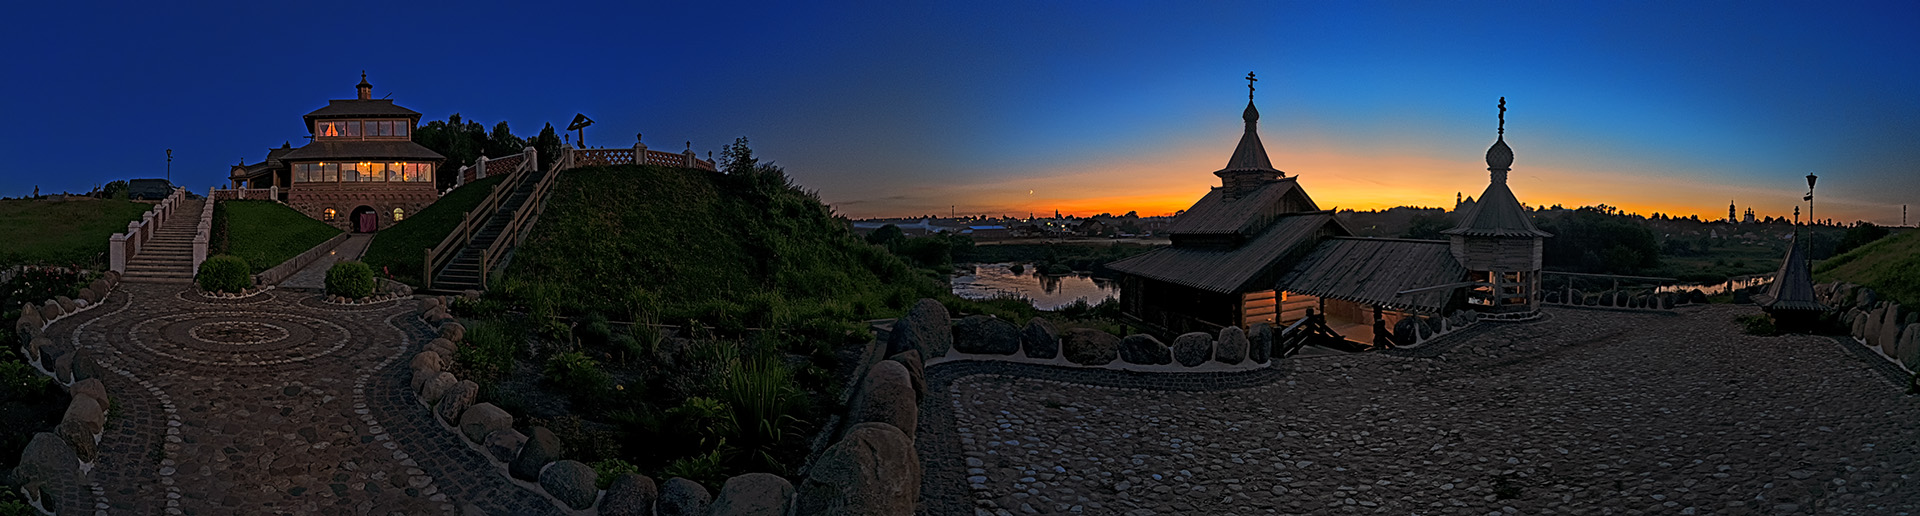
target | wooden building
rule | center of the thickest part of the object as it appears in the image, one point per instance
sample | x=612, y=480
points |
x=1790, y=299
x=361, y=172
x=1256, y=249
x=1497, y=242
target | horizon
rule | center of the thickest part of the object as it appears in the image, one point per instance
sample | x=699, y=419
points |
x=1008, y=109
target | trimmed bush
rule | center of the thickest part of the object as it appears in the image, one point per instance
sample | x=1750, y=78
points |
x=227, y=273
x=352, y=280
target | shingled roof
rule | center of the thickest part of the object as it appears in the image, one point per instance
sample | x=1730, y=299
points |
x=1497, y=214
x=361, y=149
x=351, y=108
x=1214, y=214
x=1236, y=269
x=1792, y=287
x=1374, y=271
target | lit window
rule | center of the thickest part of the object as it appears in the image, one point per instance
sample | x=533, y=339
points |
x=327, y=214
x=399, y=214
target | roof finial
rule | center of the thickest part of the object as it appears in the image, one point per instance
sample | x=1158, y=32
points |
x=1503, y=117
x=1250, y=81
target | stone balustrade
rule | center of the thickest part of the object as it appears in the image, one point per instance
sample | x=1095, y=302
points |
x=123, y=246
x=271, y=193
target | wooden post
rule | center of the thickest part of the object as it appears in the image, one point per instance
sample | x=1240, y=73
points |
x=426, y=272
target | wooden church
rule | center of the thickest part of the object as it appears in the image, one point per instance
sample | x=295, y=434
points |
x=1257, y=249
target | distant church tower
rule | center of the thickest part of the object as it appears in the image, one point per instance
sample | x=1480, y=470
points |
x=1732, y=214
x=1498, y=244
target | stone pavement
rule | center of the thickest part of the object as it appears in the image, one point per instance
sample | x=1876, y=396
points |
x=273, y=404
x=313, y=277
x=1585, y=412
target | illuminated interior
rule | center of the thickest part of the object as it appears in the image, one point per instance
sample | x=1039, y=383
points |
x=361, y=129
x=399, y=214
x=327, y=214
x=394, y=172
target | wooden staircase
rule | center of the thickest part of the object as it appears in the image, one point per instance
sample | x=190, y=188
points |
x=481, y=241
x=168, y=256
x=464, y=271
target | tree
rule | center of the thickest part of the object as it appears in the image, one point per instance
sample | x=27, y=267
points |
x=1859, y=235
x=737, y=158
x=888, y=235
x=1427, y=226
x=503, y=143
x=548, y=145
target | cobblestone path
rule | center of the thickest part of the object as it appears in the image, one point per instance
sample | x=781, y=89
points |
x=1586, y=412
x=275, y=404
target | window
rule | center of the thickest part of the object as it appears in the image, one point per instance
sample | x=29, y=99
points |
x=401, y=128
x=396, y=171
x=380, y=128
x=426, y=172
x=327, y=214
x=399, y=214
x=366, y=172
x=329, y=172
x=351, y=128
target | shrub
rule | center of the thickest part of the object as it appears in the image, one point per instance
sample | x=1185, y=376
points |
x=225, y=273
x=350, y=279
x=610, y=469
x=762, y=403
x=578, y=374
x=1757, y=324
x=488, y=353
x=595, y=331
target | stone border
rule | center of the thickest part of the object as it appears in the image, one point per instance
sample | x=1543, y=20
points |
x=228, y=296
x=77, y=435
x=278, y=273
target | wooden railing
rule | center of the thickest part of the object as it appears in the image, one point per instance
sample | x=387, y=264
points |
x=523, y=219
x=439, y=255
x=1308, y=330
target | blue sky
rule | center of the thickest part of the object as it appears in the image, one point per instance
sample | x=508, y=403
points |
x=1007, y=108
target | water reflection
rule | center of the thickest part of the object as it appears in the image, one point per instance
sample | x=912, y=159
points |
x=1732, y=284
x=1045, y=292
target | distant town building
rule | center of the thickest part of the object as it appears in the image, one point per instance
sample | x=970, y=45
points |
x=361, y=172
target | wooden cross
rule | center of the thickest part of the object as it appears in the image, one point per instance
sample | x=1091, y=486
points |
x=1503, y=115
x=1250, y=81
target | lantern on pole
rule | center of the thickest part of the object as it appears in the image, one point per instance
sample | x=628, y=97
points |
x=1810, y=179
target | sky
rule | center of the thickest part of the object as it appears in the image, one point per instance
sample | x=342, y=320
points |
x=1010, y=108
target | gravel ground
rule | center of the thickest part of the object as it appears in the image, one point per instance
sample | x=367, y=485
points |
x=1585, y=412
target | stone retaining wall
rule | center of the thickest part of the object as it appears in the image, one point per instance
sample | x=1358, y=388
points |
x=1881, y=325
x=278, y=273
x=70, y=449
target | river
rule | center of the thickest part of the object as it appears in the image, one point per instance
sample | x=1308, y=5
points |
x=989, y=280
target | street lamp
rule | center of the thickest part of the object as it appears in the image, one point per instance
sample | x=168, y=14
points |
x=1810, y=179
x=169, y=166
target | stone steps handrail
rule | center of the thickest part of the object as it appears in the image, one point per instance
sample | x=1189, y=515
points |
x=203, y=234
x=271, y=193
x=523, y=219
x=480, y=167
x=122, y=247
x=439, y=255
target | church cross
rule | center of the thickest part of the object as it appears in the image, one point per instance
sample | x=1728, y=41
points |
x=1503, y=116
x=1250, y=81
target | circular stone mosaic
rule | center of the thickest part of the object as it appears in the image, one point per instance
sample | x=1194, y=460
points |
x=251, y=338
x=238, y=332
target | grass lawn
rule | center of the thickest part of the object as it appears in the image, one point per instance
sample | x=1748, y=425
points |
x=1890, y=265
x=266, y=233
x=401, y=248
x=61, y=233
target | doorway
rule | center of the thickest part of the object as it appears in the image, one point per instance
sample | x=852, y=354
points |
x=365, y=220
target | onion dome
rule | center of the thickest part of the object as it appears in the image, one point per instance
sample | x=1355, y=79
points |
x=1500, y=156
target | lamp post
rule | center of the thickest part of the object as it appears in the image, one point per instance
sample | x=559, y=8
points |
x=1810, y=179
x=169, y=166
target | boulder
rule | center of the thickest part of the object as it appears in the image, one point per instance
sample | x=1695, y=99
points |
x=1404, y=333
x=426, y=360
x=483, y=419
x=503, y=445
x=1907, y=350
x=444, y=347
x=436, y=388
x=86, y=366
x=1089, y=347
x=916, y=369
x=50, y=312
x=63, y=368
x=91, y=388
x=1143, y=349
x=1872, y=333
x=50, y=356
x=85, y=411
x=1865, y=297
x=86, y=294
x=1890, y=330
x=886, y=396
x=100, y=288
x=46, y=458
x=631, y=494
x=753, y=494
x=1040, y=339
x=457, y=399
x=66, y=304
x=1697, y=296
x=426, y=304
x=420, y=379
x=541, y=448
x=1192, y=349
x=1666, y=300
x=571, y=482
x=925, y=327
x=35, y=345
x=75, y=434
x=1857, y=323
x=1260, y=343
x=682, y=497
x=874, y=470
x=1232, y=347
x=453, y=331
x=985, y=335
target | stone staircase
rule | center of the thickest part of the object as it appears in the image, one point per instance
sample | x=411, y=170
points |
x=168, y=256
x=463, y=271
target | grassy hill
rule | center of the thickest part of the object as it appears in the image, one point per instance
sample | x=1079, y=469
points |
x=1890, y=265
x=633, y=242
x=265, y=233
x=62, y=232
x=400, y=248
